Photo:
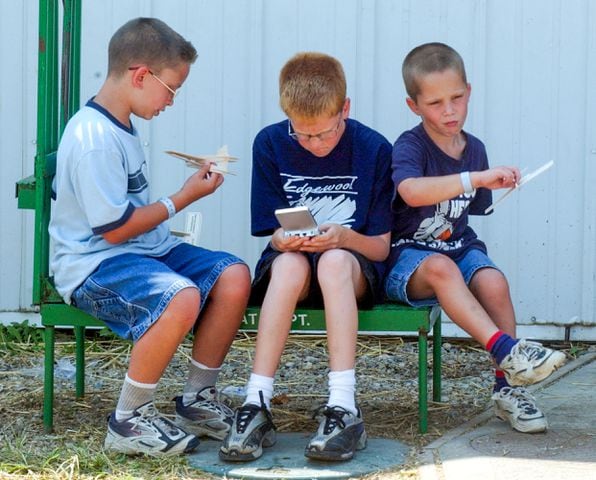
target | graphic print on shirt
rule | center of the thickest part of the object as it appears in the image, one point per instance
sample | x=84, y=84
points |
x=331, y=199
x=440, y=226
x=137, y=181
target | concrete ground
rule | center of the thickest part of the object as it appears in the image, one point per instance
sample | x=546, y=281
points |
x=488, y=449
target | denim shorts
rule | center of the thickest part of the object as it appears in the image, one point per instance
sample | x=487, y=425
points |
x=129, y=292
x=410, y=259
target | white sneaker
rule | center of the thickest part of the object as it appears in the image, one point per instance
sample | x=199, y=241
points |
x=148, y=432
x=530, y=362
x=517, y=406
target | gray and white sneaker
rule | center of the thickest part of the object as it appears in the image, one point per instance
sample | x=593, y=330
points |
x=339, y=435
x=205, y=416
x=149, y=433
x=252, y=430
x=518, y=407
x=530, y=362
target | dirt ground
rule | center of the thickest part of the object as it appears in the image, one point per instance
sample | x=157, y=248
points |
x=387, y=374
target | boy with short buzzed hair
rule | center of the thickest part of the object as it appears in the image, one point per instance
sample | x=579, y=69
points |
x=115, y=258
x=339, y=168
x=441, y=175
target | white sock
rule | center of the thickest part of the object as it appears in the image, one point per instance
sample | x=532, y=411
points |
x=199, y=377
x=342, y=390
x=133, y=395
x=259, y=383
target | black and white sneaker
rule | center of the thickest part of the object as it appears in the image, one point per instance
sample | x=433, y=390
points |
x=339, y=435
x=149, y=433
x=205, y=416
x=251, y=430
x=518, y=407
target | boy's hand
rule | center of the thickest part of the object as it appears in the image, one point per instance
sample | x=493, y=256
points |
x=281, y=243
x=201, y=183
x=332, y=236
x=497, y=177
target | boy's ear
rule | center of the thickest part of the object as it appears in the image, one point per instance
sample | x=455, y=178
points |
x=138, y=76
x=412, y=106
x=346, y=108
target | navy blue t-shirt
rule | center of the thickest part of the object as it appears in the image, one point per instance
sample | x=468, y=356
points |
x=351, y=186
x=442, y=227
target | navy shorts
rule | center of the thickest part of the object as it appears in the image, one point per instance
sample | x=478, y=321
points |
x=129, y=292
x=314, y=298
x=409, y=260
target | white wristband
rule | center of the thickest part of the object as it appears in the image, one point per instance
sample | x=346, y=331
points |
x=171, y=208
x=466, y=182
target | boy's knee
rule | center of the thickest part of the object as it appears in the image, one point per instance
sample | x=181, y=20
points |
x=290, y=264
x=238, y=274
x=184, y=308
x=439, y=267
x=335, y=261
x=492, y=279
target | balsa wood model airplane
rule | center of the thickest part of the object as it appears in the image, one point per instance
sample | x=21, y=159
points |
x=525, y=179
x=219, y=161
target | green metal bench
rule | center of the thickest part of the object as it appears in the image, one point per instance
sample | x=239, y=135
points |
x=34, y=193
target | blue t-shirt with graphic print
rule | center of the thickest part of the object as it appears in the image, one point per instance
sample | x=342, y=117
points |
x=442, y=227
x=351, y=186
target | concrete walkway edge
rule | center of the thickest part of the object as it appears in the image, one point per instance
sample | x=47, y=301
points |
x=429, y=460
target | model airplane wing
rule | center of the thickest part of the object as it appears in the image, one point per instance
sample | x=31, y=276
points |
x=219, y=162
x=525, y=179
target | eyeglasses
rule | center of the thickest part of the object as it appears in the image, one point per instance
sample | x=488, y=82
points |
x=170, y=89
x=321, y=137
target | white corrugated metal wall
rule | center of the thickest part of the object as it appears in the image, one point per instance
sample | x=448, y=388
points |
x=532, y=69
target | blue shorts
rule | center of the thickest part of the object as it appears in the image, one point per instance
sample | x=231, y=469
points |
x=410, y=259
x=129, y=292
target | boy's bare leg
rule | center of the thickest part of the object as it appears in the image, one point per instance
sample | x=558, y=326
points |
x=491, y=289
x=438, y=275
x=152, y=353
x=289, y=282
x=342, y=282
x=222, y=317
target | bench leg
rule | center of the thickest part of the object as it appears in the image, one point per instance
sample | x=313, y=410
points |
x=48, y=382
x=437, y=343
x=79, y=332
x=422, y=381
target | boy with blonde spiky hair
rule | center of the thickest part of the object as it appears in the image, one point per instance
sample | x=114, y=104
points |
x=339, y=168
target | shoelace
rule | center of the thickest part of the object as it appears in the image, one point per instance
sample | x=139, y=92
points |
x=247, y=412
x=214, y=403
x=153, y=417
x=523, y=399
x=335, y=417
x=530, y=350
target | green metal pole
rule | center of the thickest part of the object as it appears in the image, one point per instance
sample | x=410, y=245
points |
x=422, y=381
x=47, y=134
x=71, y=60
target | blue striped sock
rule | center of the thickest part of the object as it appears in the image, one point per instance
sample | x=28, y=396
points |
x=502, y=346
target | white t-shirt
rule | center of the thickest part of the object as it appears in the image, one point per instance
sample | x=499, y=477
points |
x=101, y=177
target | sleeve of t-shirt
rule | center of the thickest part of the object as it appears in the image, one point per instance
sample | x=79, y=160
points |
x=407, y=161
x=266, y=191
x=100, y=182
